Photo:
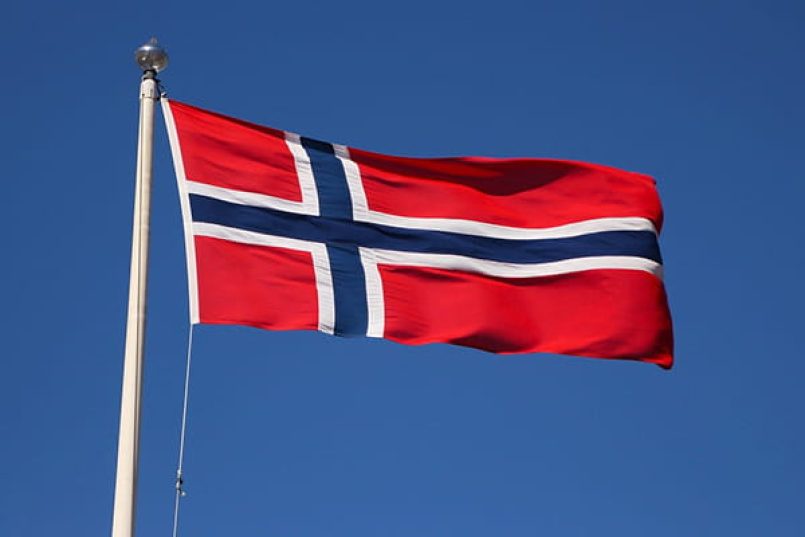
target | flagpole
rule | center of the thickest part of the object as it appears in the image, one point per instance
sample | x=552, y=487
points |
x=152, y=58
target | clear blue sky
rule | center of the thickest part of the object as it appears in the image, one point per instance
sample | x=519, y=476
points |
x=300, y=434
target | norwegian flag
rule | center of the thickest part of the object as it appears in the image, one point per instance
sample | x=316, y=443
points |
x=285, y=232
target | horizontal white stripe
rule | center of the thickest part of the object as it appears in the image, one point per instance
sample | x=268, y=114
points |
x=249, y=198
x=509, y=270
x=321, y=262
x=466, y=227
x=484, y=229
x=218, y=231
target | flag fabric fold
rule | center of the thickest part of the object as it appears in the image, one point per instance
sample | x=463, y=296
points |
x=285, y=232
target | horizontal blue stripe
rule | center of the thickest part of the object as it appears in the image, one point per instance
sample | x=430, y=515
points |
x=335, y=231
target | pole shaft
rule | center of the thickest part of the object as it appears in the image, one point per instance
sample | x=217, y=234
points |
x=130, y=404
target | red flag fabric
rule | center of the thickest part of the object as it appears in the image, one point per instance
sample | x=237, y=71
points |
x=526, y=255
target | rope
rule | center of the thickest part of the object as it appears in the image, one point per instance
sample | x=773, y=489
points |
x=180, y=492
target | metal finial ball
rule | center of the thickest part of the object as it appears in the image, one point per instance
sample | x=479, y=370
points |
x=151, y=56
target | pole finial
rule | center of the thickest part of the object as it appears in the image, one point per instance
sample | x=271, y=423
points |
x=151, y=56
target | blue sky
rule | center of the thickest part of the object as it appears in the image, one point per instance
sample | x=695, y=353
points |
x=306, y=435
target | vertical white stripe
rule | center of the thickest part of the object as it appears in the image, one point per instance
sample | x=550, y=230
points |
x=321, y=261
x=375, y=304
x=324, y=289
x=360, y=208
x=187, y=219
x=304, y=170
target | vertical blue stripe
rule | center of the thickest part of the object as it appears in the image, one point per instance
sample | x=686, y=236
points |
x=349, y=282
x=331, y=182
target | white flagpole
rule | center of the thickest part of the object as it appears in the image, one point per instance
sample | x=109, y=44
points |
x=152, y=59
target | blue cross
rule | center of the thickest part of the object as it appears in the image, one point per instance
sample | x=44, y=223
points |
x=336, y=228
